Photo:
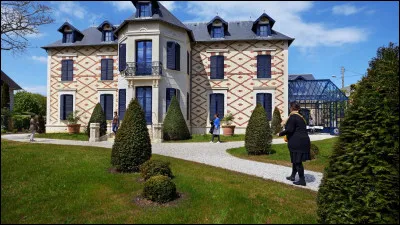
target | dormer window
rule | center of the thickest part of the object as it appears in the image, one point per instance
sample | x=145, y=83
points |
x=263, y=25
x=263, y=30
x=108, y=36
x=217, y=28
x=144, y=9
x=217, y=32
x=107, y=30
x=68, y=37
x=70, y=33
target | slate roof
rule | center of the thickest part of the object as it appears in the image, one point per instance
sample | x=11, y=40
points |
x=239, y=30
x=11, y=83
x=305, y=76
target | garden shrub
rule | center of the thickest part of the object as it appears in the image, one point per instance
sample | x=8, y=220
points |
x=42, y=125
x=132, y=145
x=314, y=151
x=29, y=102
x=175, y=127
x=21, y=122
x=159, y=189
x=361, y=182
x=6, y=122
x=276, y=126
x=258, y=135
x=155, y=167
x=97, y=116
x=5, y=96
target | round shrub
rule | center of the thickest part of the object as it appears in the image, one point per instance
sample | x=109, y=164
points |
x=276, y=126
x=175, y=127
x=361, y=182
x=258, y=135
x=98, y=117
x=314, y=151
x=132, y=145
x=155, y=167
x=159, y=189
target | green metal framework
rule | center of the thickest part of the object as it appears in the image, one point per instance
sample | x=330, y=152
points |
x=320, y=99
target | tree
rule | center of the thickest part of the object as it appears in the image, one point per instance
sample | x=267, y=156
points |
x=29, y=102
x=19, y=19
x=42, y=124
x=132, y=145
x=361, y=182
x=5, y=96
x=175, y=127
x=276, y=121
x=258, y=135
x=98, y=116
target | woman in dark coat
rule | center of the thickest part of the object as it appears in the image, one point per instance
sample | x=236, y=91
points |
x=298, y=142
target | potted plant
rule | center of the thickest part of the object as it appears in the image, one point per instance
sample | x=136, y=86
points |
x=227, y=128
x=73, y=127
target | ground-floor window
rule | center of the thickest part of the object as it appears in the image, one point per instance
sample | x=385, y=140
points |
x=216, y=105
x=106, y=102
x=66, y=106
x=170, y=93
x=265, y=99
x=144, y=95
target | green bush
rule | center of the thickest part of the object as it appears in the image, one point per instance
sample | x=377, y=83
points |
x=155, y=167
x=42, y=125
x=276, y=126
x=132, y=145
x=29, y=102
x=97, y=116
x=159, y=189
x=175, y=127
x=258, y=135
x=361, y=182
x=314, y=151
x=5, y=96
x=21, y=122
x=6, y=119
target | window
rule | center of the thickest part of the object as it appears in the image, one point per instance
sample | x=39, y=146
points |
x=265, y=99
x=263, y=30
x=67, y=70
x=107, y=69
x=106, y=102
x=217, y=67
x=108, y=36
x=143, y=57
x=143, y=95
x=144, y=9
x=187, y=63
x=170, y=93
x=264, y=66
x=217, y=32
x=173, y=55
x=216, y=105
x=66, y=106
x=121, y=103
x=68, y=37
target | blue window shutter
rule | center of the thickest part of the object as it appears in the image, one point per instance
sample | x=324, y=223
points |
x=213, y=67
x=261, y=66
x=110, y=69
x=213, y=106
x=220, y=105
x=109, y=107
x=102, y=102
x=269, y=30
x=122, y=57
x=170, y=93
x=260, y=99
x=68, y=108
x=103, y=36
x=171, y=55
x=220, y=67
x=178, y=56
x=121, y=103
x=64, y=70
x=73, y=36
x=70, y=70
x=64, y=38
x=187, y=62
x=268, y=105
x=268, y=66
x=103, y=69
x=62, y=107
x=258, y=30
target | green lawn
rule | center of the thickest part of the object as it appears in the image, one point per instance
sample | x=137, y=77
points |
x=281, y=155
x=66, y=136
x=207, y=138
x=70, y=184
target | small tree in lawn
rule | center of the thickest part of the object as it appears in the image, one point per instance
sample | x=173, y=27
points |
x=258, y=135
x=175, y=127
x=132, y=145
x=98, y=116
x=276, y=121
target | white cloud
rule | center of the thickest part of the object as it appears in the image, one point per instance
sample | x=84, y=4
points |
x=170, y=5
x=73, y=10
x=34, y=36
x=123, y=5
x=288, y=17
x=41, y=89
x=41, y=59
x=346, y=9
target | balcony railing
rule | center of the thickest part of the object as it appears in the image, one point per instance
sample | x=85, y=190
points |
x=142, y=69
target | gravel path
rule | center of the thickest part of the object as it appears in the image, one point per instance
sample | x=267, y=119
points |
x=207, y=153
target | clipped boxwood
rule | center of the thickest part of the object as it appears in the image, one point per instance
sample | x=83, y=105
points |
x=159, y=189
x=276, y=126
x=175, y=127
x=97, y=117
x=258, y=135
x=155, y=167
x=314, y=151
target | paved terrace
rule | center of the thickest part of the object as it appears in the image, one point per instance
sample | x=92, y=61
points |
x=212, y=154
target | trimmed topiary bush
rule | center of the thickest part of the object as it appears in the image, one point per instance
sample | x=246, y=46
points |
x=5, y=96
x=276, y=126
x=175, y=127
x=159, y=189
x=258, y=135
x=98, y=116
x=155, y=167
x=314, y=151
x=361, y=182
x=42, y=125
x=132, y=145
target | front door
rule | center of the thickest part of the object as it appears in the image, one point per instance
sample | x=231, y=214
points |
x=143, y=57
x=144, y=95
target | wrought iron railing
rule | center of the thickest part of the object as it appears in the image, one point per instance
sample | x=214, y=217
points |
x=142, y=69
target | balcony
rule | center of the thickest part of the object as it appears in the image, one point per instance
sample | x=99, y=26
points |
x=136, y=71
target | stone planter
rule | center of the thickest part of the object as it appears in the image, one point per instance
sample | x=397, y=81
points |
x=228, y=130
x=73, y=128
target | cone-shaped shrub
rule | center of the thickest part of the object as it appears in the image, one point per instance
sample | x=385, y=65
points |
x=132, y=145
x=175, y=127
x=98, y=116
x=361, y=182
x=258, y=135
x=42, y=125
x=276, y=126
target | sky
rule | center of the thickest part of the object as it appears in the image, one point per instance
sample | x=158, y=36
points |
x=328, y=35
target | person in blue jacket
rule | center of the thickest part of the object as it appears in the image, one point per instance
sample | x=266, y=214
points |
x=217, y=127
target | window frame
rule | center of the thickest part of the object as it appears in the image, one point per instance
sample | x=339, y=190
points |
x=265, y=72
x=107, y=75
x=146, y=10
x=67, y=70
x=220, y=32
x=217, y=68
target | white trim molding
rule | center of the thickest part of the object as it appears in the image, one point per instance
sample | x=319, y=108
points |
x=217, y=50
x=67, y=55
x=106, y=53
x=263, y=49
